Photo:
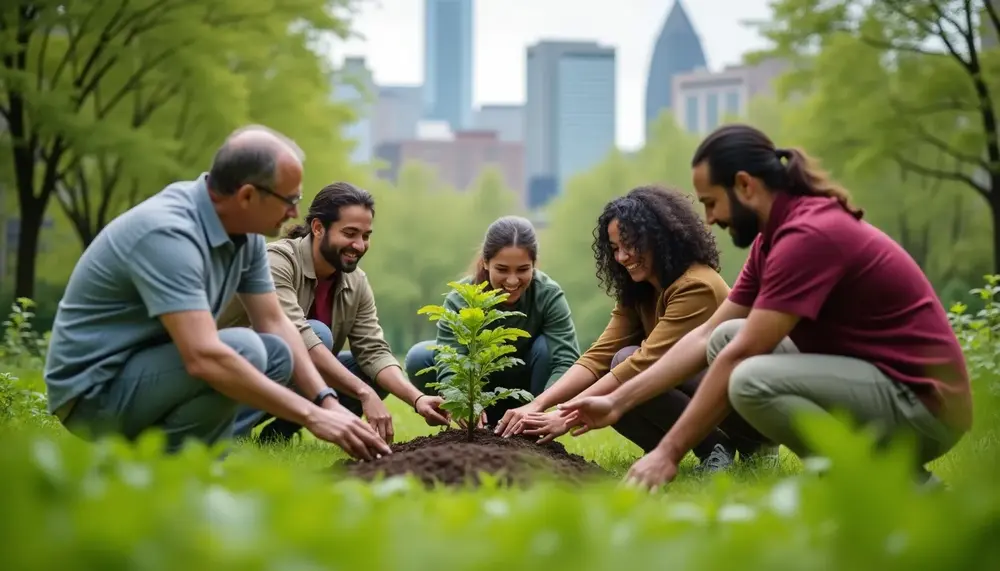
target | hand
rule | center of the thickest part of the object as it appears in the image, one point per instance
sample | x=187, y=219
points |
x=511, y=423
x=429, y=407
x=334, y=423
x=463, y=424
x=547, y=425
x=590, y=413
x=652, y=470
x=377, y=414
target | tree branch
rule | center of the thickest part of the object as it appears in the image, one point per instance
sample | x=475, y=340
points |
x=74, y=43
x=134, y=79
x=940, y=173
x=994, y=16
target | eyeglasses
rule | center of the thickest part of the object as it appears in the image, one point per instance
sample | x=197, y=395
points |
x=289, y=200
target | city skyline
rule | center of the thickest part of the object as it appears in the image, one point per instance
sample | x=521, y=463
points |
x=502, y=37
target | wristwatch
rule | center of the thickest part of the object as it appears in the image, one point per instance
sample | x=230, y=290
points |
x=327, y=392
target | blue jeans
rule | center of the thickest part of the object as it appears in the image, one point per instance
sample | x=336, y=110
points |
x=533, y=376
x=154, y=390
x=281, y=429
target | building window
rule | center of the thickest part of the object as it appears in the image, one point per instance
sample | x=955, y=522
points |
x=712, y=111
x=691, y=114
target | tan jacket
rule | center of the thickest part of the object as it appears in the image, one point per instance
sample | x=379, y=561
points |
x=354, y=317
x=655, y=326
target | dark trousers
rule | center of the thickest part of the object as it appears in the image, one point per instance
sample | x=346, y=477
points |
x=646, y=424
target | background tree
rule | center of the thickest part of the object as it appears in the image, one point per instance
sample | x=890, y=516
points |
x=107, y=100
x=900, y=80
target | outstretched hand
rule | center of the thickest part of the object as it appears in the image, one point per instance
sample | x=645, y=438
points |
x=589, y=413
x=429, y=407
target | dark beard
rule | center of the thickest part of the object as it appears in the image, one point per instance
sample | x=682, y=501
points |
x=745, y=224
x=333, y=256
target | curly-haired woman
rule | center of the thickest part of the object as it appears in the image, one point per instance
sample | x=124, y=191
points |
x=659, y=261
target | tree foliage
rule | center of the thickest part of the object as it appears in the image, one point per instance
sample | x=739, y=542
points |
x=106, y=101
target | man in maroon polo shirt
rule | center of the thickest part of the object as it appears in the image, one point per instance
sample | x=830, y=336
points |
x=828, y=314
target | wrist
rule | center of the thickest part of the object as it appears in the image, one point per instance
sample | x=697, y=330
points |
x=417, y=400
x=670, y=449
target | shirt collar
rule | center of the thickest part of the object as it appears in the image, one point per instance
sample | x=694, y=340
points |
x=214, y=231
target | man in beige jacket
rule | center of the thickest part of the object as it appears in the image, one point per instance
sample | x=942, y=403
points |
x=321, y=289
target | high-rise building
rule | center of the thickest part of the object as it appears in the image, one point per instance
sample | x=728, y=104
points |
x=506, y=120
x=448, y=29
x=569, y=114
x=355, y=87
x=678, y=50
x=398, y=111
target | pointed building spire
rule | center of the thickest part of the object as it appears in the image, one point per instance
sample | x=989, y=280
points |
x=677, y=50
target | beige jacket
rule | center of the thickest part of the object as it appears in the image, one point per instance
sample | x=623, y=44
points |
x=354, y=317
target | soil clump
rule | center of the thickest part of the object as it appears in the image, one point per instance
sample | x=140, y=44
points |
x=449, y=458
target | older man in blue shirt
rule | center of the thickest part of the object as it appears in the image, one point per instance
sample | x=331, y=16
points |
x=135, y=344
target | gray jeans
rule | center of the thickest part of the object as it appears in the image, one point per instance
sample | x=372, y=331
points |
x=769, y=391
x=154, y=390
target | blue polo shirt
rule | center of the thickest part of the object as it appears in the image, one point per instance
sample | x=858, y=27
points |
x=169, y=253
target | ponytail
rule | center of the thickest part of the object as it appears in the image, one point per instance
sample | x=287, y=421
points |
x=805, y=178
x=298, y=230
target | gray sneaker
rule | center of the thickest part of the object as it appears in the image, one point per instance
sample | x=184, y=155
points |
x=719, y=459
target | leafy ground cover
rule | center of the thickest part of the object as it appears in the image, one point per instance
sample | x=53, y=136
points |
x=67, y=504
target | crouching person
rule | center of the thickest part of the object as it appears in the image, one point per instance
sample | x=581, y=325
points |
x=661, y=263
x=828, y=314
x=507, y=261
x=135, y=344
x=328, y=298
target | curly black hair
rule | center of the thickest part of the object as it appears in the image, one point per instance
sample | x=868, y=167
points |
x=657, y=220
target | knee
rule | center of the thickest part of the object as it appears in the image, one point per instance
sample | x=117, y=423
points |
x=748, y=383
x=622, y=354
x=248, y=344
x=323, y=332
x=722, y=336
x=280, y=361
x=540, y=350
x=420, y=356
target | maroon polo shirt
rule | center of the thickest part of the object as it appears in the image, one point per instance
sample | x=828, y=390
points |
x=859, y=294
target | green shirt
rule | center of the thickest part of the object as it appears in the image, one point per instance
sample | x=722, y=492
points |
x=546, y=313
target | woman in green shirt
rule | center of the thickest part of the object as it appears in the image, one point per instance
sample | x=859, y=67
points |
x=507, y=260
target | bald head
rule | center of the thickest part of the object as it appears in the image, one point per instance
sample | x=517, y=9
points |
x=253, y=155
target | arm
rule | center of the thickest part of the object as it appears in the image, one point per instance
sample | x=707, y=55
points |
x=803, y=267
x=560, y=332
x=257, y=293
x=684, y=359
x=173, y=289
x=333, y=372
x=622, y=330
x=372, y=351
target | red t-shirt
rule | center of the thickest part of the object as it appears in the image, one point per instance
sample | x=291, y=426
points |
x=860, y=295
x=322, y=308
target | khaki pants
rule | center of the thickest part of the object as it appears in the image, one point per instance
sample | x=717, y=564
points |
x=770, y=390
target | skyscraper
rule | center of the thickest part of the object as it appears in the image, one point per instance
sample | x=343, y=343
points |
x=677, y=50
x=569, y=113
x=356, y=87
x=448, y=29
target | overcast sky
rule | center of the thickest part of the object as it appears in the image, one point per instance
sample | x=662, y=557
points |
x=393, y=42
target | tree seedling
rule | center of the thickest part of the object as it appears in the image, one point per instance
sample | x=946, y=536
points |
x=486, y=351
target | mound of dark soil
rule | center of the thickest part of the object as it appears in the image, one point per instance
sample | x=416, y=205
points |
x=449, y=458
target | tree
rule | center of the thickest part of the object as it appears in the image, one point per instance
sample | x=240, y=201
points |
x=100, y=98
x=904, y=80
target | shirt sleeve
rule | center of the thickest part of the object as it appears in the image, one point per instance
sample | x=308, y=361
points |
x=623, y=329
x=366, y=337
x=168, y=271
x=560, y=333
x=691, y=305
x=257, y=278
x=282, y=272
x=747, y=284
x=802, y=268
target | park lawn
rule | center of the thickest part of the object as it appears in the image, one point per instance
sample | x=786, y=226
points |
x=67, y=504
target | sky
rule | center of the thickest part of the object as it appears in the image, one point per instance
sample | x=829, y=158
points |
x=391, y=40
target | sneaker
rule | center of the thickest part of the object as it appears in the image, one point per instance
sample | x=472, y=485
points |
x=719, y=459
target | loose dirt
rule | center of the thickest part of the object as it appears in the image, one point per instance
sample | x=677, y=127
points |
x=449, y=458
